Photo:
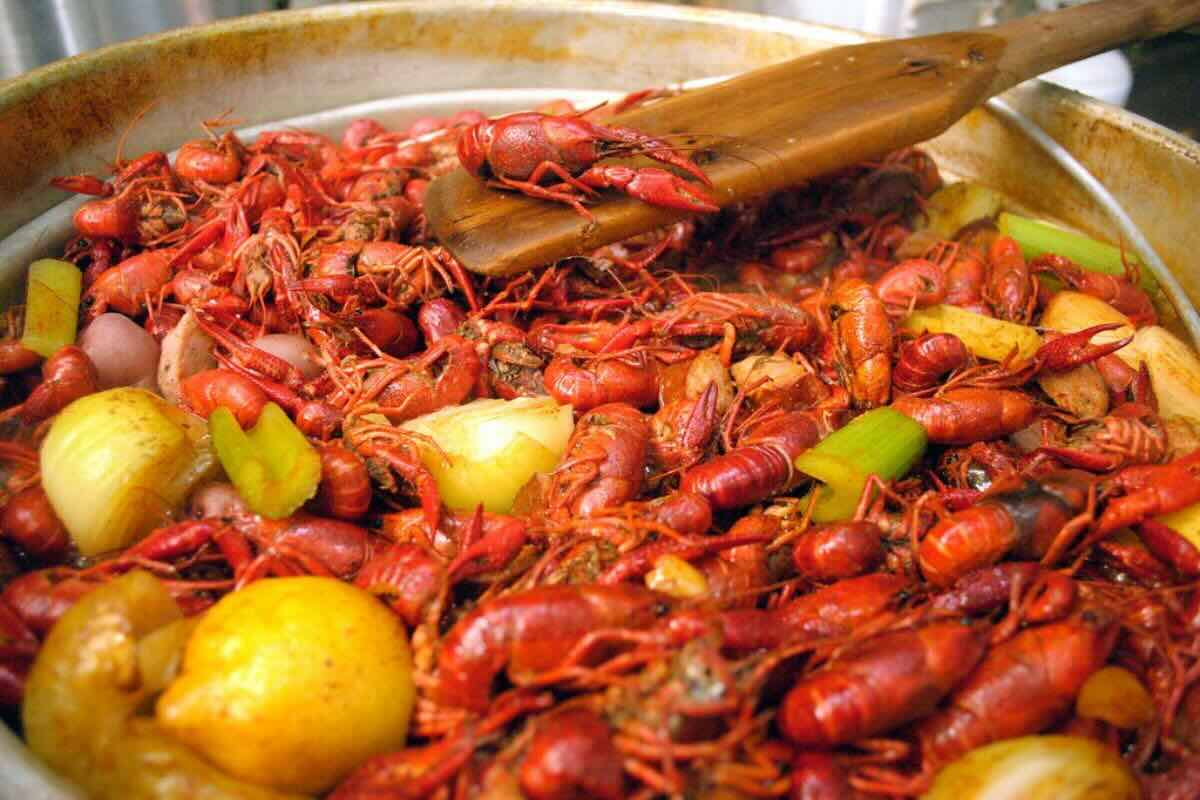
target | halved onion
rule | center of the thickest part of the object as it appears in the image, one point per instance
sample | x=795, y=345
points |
x=1037, y=768
x=115, y=464
x=491, y=448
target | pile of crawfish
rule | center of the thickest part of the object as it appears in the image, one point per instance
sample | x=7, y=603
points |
x=963, y=604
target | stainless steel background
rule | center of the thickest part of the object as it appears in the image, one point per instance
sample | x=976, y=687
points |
x=36, y=32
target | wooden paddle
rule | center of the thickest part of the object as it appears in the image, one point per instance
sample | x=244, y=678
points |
x=777, y=126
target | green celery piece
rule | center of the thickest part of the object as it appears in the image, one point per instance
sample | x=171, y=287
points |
x=51, y=305
x=273, y=466
x=1038, y=238
x=880, y=442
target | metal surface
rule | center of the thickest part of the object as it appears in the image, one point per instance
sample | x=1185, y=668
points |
x=1129, y=232
x=36, y=32
x=69, y=116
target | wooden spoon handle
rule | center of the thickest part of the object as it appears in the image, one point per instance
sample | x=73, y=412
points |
x=1039, y=43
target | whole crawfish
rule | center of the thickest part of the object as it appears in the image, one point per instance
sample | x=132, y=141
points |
x=520, y=151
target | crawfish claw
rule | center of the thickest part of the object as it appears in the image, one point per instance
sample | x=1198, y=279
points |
x=1074, y=349
x=651, y=185
x=703, y=420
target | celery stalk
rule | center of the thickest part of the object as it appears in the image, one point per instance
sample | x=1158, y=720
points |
x=51, y=305
x=881, y=442
x=1038, y=238
x=272, y=465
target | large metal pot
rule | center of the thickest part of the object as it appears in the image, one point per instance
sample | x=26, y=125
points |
x=308, y=66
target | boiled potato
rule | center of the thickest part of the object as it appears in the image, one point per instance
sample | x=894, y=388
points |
x=1174, y=370
x=292, y=682
x=955, y=205
x=1068, y=312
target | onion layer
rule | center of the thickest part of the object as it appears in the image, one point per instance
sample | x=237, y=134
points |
x=1037, y=768
x=115, y=464
x=491, y=448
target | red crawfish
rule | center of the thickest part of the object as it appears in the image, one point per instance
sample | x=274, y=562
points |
x=1020, y=516
x=966, y=277
x=1131, y=435
x=682, y=430
x=926, y=360
x=816, y=775
x=683, y=512
x=445, y=374
x=604, y=461
x=832, y=610
x=469, y=543
x=531, y=632
x=597, y=381
x=152, y=164
x=66, y=376
x=1071, y=350
x=1170, y=547
x=963, y=416
x=913, y=283
x=388, y=329
x=520, y=151
x=129, y=286
x=863, y=340
x=439, y=317
x=16, y=357
x=984, y=590
x=125, y=210
x=345, y=488
x=761, y=464
x=572, y=755
x=217, y=161
x=749, y=530
x=416, y=773
x=396, y=273
x=245, y=393
x=1150, y=491
x=759, y=321
x=1011, y=289
x=389, y=449
x=1021, y=687
x=302, y=544
x=29, y=521
x=18, y=648
x=406, y=576
x=838, y=550
x=40, y=598
x=881, y=683
x=1122, y=293
x=206, y=391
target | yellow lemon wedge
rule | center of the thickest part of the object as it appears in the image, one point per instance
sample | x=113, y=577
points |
x=292, y=682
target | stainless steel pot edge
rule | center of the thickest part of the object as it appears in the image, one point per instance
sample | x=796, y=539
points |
x=1104, y=137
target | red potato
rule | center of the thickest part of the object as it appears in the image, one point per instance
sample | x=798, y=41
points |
x=124, y=353
x=294, y=349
